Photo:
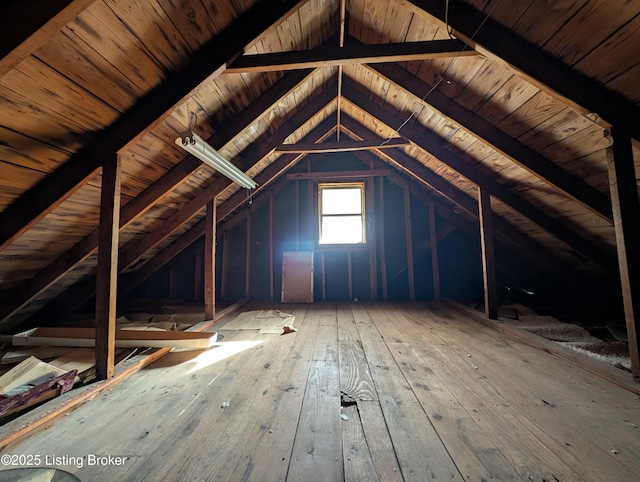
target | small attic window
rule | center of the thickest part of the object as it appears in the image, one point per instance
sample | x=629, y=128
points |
x=341, y=213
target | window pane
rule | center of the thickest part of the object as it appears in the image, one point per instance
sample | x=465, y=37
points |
x=341, y=230
x=342, y=201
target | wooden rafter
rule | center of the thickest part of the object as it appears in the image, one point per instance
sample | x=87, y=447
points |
x=415, y=169
x=350, y=55
x=83, y=290
x=26, y=26
x=540, y=68
x=330, y=175
x=277, y=168
x=210, y=59
x=18, y=297
x=524, y=156
x=432, y=143
x=341, y=146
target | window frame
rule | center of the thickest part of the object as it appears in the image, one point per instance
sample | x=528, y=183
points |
x=342, y=185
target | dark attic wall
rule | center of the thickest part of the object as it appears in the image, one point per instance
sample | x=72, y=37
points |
x=295, y=226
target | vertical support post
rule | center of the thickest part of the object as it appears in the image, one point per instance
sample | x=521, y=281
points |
x=225, y=266
x=383, y=259
x=407, y=221
x=210, y=261
x=371, y=239
x=433, y=238
x=107, y=271
x=626, y=222
x=247, y=268
x=488, y=256
x=271, y=288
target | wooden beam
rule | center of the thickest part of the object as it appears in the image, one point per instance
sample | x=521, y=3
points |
x=147, y=112
x=488, y=256
x=44, y=197
x=541, y=68
x=83, y=290
x=418, y=171
x=15, y=299
x=26, y=26
x=341, y=146
x=210, y=261
x=626, y=216
x=433, y=237
x=350, y=55
x=275, y=169
x=511, y=148
x=409, y=240
x=329, y=175
x=433, y=143
x=107, y=271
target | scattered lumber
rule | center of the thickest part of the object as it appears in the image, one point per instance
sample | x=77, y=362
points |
x=31, y=382
x=85, y=337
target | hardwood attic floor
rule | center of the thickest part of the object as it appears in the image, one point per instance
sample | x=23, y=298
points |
x=439, y=397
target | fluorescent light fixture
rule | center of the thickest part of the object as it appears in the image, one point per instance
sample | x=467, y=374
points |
x=198, y=147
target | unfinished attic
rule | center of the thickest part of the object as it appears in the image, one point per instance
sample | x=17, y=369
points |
x=320, y=240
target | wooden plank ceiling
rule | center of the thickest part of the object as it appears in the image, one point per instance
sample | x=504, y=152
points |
x=526, y=119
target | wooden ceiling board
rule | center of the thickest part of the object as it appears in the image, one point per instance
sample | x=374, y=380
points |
x=590, y=27
x=615, y=55
x=47, y=88
x=99, y=28
x=70, y=56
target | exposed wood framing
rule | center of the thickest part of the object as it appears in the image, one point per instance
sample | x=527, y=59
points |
x=540, y=68
x=210, y=261
x=107, y=271
x=488, y=255
x=26, y=26
x=271, y=172
x=417, y=170
x=432, y=143
x=147, y=112
x=341, y=146
x=330, y=175
x=524, y=156
x=626, y=215
x=350, y=55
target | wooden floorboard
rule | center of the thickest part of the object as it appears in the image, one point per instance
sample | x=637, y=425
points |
x=389, y=392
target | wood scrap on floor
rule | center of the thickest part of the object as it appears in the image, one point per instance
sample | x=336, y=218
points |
x=85, y=337
x=266, y=321
x=31, y=382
